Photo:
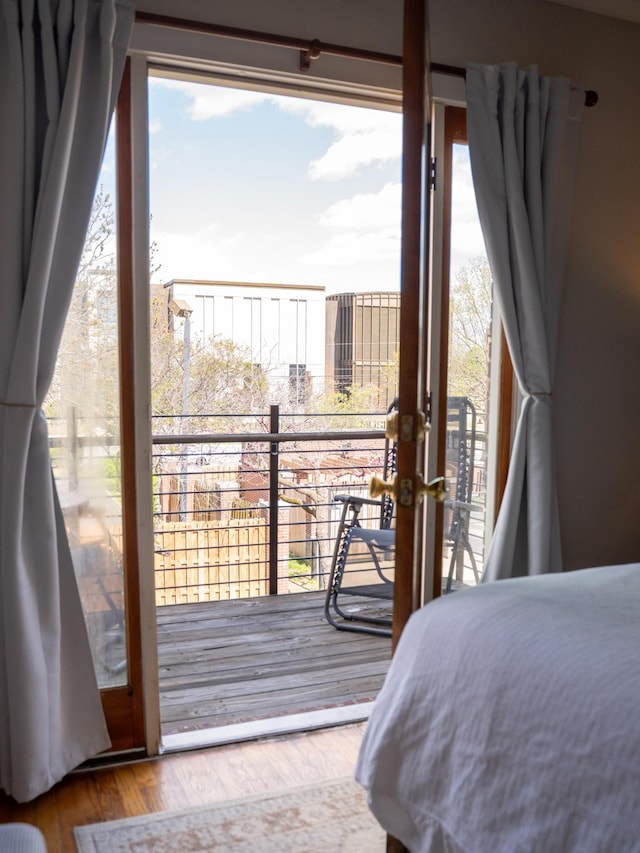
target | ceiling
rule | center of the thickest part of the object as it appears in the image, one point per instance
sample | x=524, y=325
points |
x=629, y=10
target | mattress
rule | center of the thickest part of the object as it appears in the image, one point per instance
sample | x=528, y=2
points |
x=510, y=719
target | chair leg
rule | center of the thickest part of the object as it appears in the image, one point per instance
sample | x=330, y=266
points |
x=347, y=621
x=336, y=573
x=454, y=554
x=467, y=545
x=461, y=537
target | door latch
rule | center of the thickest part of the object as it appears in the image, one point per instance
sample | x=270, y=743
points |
x=413, y=427
x=402, y=490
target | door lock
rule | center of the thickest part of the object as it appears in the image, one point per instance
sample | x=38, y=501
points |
x=406, y=428
x=402, y=491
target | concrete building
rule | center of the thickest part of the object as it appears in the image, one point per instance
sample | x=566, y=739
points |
x=280, y=325
x=363, y=336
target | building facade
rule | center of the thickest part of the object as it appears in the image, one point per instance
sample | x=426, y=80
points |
x=280, y=326
x=362, y=341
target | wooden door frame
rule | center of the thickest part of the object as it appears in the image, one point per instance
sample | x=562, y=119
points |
x=416, y=299
x=414, y=323
x=414, y=311
x=136, y=724
x=125, y=707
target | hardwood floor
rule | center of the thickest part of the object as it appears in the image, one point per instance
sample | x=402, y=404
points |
x=221, y=663
x=185, y=779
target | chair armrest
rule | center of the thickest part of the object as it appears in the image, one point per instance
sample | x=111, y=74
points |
x=463, y=505
x=354, y=499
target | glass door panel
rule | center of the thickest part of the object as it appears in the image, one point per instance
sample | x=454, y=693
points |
x=83, y=411
x=469, y=310
x=274, y=308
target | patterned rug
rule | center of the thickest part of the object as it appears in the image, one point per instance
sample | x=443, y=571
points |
x=330, y=816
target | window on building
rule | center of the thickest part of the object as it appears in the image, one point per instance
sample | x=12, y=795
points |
x=297, y=384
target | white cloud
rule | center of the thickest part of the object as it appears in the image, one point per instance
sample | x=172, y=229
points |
x=206, y=102
x=353, y=151
x=344, y=119
x=365, y=137
x=366, y=210
x=463, y=199
x=211, y=102
x=352, y=247
x=360, y=233
x=202, y=254
x=366, y=228
x=467, y=241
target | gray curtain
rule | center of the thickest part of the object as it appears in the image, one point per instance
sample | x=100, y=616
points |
x=61, y=63
x=523, y=133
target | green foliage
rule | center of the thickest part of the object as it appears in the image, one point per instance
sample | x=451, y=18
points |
x=470, y=332
x=112, y=475
x=300, y=574
x=87, y=367
x=346, y=409
x=217, y=377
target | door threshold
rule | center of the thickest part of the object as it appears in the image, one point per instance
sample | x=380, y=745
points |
x=257, y=729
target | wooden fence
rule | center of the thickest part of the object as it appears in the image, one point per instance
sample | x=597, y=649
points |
x=193, y=561
x=210, y=560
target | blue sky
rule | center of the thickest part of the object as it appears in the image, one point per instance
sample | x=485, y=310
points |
x=248, y=186
x=256, y=187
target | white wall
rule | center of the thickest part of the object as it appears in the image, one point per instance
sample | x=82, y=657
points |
x=598, y=392
x=597, y=389
x=278, y=325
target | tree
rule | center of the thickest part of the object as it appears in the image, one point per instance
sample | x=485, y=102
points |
x=221, y=379
x=350, y=408
x=86, y=377
x=471, y=300
x=90, y=336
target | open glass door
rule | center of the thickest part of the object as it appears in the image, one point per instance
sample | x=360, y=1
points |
x=83, y=413
x=274, y=309
x=84, y=408
x=455, y=367
x=185, y=316
x=469, y=331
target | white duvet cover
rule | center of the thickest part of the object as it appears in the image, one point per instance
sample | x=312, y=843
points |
x=509, y=721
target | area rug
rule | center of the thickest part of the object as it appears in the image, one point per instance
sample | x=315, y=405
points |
x=320, y=818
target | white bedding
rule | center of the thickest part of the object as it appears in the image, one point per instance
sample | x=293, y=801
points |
x=510, y=719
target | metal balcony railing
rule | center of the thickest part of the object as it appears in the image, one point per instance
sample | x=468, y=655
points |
x=243, y=505
x=242, y=513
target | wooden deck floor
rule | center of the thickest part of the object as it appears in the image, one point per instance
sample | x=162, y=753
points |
x=248, y=659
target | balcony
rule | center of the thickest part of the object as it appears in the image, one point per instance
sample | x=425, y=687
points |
x=244, y=527
x=251, y=512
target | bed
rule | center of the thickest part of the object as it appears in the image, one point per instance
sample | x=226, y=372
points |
x=509, y=721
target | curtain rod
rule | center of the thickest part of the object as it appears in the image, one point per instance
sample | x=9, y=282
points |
x=590, y=97
x=309, y=50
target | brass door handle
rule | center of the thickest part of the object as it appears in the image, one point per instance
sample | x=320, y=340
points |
x=379, y=487
x=402, y=491
x=407, y=428
x=436, y=488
